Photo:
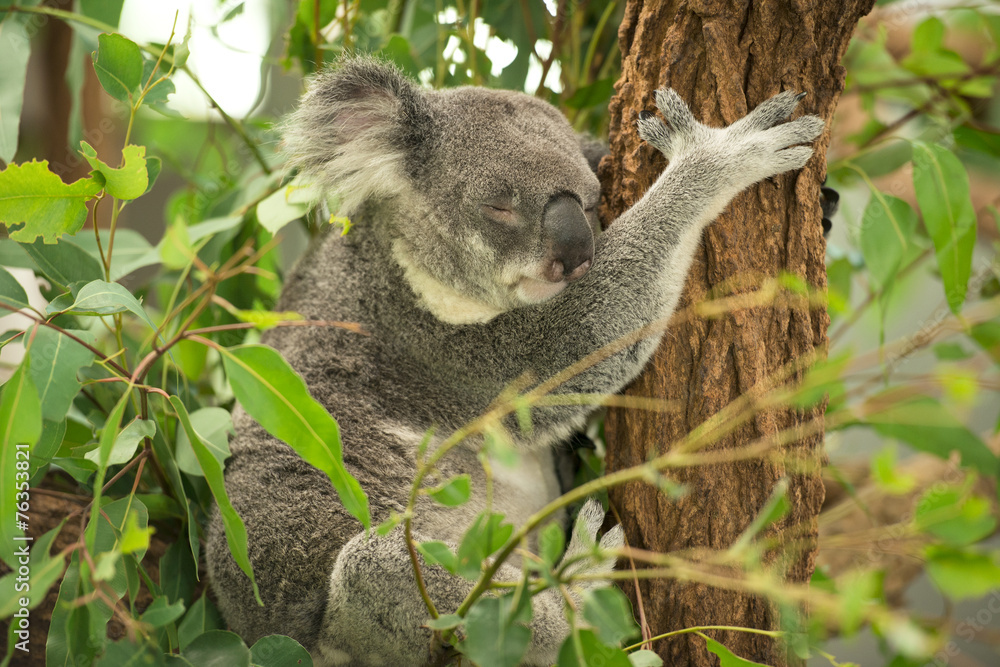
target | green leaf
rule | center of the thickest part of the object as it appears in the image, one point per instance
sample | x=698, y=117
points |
x=287, y=203
x=126, y=442
x=486, y=535
x=132, y=251
x=266, y=319
x=20, y=428
x=276, y=396
x=15, y=47
x=436, y=552
x=942, y=189
x=610, y=612
x=493, y=637
x=31, y=194
x=961, y=574
x=107, y=440
x=200, y=618
x=217, y=648
x=153, y=167
x=445, y=622
x=452, y=493
x=236, y=532
x=69, y=641
x=136, y=533
x=103, y=298
x=887, y=474
x=645, y=659
x=726, y=657
x=158, y=96
x=118, y=65
x=124, y=653
x=887, y=227
x=64, y=262
x=584, y=648
x=924, y=424
x=109, y=527
x=55, y=361
x=11, y=292
x=161, y=612
x=165, y=456
x=214, y=426
x=44, y=571
x=596, y=94
x=107, y=12
x=177, y=571
x=954, y=516
x=389, y=524
x=551, y=542
x=279, y=651
x=127, y=182
x=175, y=248
x=950, y=352
x=987, y=336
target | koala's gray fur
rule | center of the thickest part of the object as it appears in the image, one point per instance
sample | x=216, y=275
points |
x=475, y=258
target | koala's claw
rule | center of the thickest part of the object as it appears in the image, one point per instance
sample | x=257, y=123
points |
x=675, y=111
x=769, y=113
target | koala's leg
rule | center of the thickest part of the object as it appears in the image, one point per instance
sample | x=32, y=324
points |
x=375, y=613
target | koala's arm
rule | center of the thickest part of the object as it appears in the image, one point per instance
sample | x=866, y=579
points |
x=641, y=261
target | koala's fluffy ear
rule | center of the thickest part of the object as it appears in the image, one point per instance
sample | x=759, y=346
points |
x=356, y=130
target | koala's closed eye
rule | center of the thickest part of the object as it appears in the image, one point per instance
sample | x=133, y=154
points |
x=500, y=210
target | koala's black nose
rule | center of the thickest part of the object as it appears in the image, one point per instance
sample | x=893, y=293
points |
x=570, y=239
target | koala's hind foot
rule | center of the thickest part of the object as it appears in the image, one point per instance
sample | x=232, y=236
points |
x=375, y=615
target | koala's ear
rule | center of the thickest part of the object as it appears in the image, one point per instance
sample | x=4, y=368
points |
x=593, y=149
x=356, y=130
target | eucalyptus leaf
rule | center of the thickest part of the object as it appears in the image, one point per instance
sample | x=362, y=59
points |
x=217, y=648
x=49, y=208
x=20, y=428
x=15, y=47
x=279, y=651
x=11, y=292
x=118, y=65
x=277, y=397
x=56, y=359
x=104, y=298
x=593, y=652
x=126, y=442
x=236, y=532
x=942, y=189
x=64, y=262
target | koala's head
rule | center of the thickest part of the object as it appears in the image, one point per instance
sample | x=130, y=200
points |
x=486, y=195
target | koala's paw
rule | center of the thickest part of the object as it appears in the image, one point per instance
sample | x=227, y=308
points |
x=766, y=146
x=671, y=137
x=588, y=522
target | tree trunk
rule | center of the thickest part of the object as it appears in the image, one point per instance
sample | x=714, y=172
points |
x=724, y=57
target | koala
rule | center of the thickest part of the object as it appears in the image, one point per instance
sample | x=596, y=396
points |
x=475, y=259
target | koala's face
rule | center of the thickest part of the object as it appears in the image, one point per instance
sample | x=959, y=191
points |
x=509, y=197
x=492, y=200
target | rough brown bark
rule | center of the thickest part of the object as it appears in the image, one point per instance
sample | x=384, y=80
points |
x=724, y=57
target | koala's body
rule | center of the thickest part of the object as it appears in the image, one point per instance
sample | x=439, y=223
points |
x=475, y=259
